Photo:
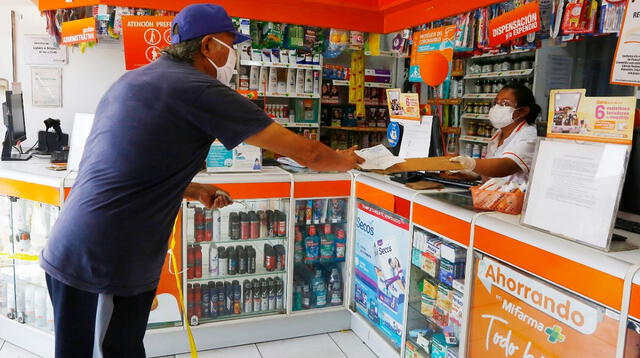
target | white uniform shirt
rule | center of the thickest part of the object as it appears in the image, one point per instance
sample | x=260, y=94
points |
x=520, y=147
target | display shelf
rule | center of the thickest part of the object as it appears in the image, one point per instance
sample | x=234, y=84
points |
x=280, y=65
x=414, y=307
x=480, y=96
x=260, y=272
x=450, y=101
x=287, y=124
x=229, y=317
x=366, y=84
x=356, y=129
x=332, y=223
x=470, y=138
x=229, y=241
x=286, y=95
x=457, y=73
x=475, y=116
x=387, y=54
x=513, y=73
x=418, y=347
x=512, y=53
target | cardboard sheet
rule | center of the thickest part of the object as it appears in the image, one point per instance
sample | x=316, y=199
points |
x=424, y=164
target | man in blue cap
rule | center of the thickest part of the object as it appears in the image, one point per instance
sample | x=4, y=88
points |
x=151, y=135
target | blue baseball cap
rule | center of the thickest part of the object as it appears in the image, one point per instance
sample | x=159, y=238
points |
x=203, y=19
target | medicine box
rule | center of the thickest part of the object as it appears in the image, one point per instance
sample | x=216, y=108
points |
x=243, y=158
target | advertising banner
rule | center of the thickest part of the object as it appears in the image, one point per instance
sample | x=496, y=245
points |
x=144, y=37
x=573, y=115
x=626, y=63
x=514, y=24
x=381, y=262
x=514, y=314
x=77, y=31
x=440, y=39
x=403, y=106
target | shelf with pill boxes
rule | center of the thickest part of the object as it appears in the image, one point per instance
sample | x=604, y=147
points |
x=237, y=254
x=436, y=292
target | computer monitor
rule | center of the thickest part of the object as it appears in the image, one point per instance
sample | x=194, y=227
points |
x=629, y=208
x=13, y=115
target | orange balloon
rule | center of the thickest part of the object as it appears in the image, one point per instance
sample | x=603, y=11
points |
x=434, y=68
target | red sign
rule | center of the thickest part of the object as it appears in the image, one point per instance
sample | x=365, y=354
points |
x=515, y=315
x=77, y=31
x=144, y=37
x=514, y=24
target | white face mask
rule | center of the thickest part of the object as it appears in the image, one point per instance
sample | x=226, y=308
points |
x=225, y=72
x=501, y=116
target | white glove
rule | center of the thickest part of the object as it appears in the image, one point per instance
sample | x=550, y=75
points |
x=467, y=162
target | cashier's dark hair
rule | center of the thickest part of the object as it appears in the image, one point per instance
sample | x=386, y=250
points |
x=525, y=98
x=184, y=51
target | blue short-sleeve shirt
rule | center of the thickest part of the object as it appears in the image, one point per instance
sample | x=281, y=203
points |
x=150, y=137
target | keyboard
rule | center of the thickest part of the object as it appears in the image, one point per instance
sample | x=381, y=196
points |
x=627, y=225
x=448, y=181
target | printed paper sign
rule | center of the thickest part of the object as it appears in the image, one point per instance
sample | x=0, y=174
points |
x=42, y=50
x=515, y=315
x=573, y=115
x=144, y=37
x=403, y=106
x=514, y=24
x=440, y=39
x=78, y=31
x=381, y=263
x=626, y=63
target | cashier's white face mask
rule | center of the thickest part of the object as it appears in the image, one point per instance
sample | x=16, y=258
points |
x=501, y=116
x=225, y=72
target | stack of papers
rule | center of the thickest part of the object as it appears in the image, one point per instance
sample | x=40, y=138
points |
x=378, y=157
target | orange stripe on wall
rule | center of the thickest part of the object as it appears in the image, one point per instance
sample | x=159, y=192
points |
x=634, y=305
x=320, y=189
x=575, y=276
x=375, y=196
x=257, y=190
x=449, y=226
x=30, y=191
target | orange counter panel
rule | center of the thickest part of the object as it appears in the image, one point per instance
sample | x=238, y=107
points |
x=322, y=189
x=36, y=192
x=572, y=275
x=375, y=196
x=257, y=190
x=449, y=226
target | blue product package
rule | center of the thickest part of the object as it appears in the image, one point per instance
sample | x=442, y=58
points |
x=447, y=272
x=416, y=258
x=438, y=346
x=219, y=157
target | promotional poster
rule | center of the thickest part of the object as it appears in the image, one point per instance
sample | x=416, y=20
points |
x=440, y=39
x=516, y=315
x=381, y=263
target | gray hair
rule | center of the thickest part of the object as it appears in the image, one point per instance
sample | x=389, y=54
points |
x=184, y=51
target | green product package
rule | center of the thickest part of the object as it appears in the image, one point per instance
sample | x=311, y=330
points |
x=273, y=35
x=256, y=34
x=295, y=37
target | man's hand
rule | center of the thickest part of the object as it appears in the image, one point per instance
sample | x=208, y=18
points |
x=209, y=195
x=349, y=158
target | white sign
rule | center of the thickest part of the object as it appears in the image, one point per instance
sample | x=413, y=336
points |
x=626, y=64
x=46, y=86
x=82, y=124
x=42, y=50
x=416, y=140
x=574, y=189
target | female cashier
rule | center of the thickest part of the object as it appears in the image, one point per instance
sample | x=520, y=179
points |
x=512, y=147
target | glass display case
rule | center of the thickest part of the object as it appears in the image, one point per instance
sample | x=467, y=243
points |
x=236, y=263
x=434, y=319
x=320, y=247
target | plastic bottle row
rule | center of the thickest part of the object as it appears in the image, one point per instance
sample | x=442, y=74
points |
x=314, y=246
x=228, y=261
x=26, y=303
x=242, y=225
x=321, y=211
x=214, y=300
x=315, y=287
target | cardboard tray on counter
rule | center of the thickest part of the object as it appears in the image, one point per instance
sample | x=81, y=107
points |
x=423, y=164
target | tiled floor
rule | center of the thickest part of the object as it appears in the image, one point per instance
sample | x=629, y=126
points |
x=344, y=344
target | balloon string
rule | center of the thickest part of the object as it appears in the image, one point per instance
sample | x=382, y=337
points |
x=439, y=109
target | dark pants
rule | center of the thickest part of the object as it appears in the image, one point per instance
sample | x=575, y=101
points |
x=90, y=324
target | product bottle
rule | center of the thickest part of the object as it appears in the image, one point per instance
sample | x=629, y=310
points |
x=242, y=260
x=297, y=296
x=234, y=226
x=279, y=293
x=272, y=294
x=232, y=266
x=254, y=225
x=213, y=261
x=198, y=225
x=298, y=247
x=308, y=81
x=311, y=244
x=247, y=297
x=308, y=217
x=197, y=262
x=190, y=298
x=318, y=291
x=245, y=226
x=213, y=299
x=206, y=301
x=251, y=259
x=264, y=229
x=269, y=258
x=191, y=252
x=221, y=299
x=216, y=226
x=264, y=289
x=197, y=300
x=30, y=304
x=282, y=223
x=257, y=295
x=223, y=261
x=228, y=298
x=41, y=307
x=335, y=287
x=327, y=245
x=306, y=296
x=208, y=225
x=280, y=257
x=341, y=246
x=237, y=297
x=270, y=232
